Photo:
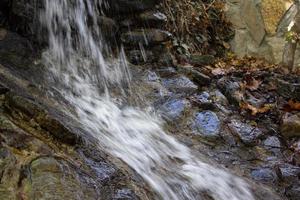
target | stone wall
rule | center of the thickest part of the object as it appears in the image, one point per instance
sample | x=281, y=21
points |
x=255, y=22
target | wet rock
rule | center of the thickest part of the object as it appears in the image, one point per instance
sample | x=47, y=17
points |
x=198, y=77
x=166, y=58
x=231, y=90
x=207, y=124
x=200, y=60
x=272, y=142
x=174, y=108
x=247, y=134
x=35, y=111
x=264, y=175
x=23, y=18
x=140, y=57
x=180, y=84
x=167, y=71
x=125, y=194
x=15, y=51
x=289, y=172
x=153, y=18
x=203, y=101
x=131, y=6
x=293, y=192
x=219, y=98
x=290, y=125
x=52, y=179
x=287, y=89
x=147, y=37
x=152, y=76
x=108, y=27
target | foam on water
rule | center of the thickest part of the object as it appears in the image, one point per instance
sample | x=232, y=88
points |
x=83, y=75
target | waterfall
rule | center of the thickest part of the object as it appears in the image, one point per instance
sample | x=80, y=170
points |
x=79, y=70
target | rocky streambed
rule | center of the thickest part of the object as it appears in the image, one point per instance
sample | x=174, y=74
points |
x=44, y=154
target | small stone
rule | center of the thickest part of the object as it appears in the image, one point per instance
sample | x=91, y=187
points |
x=167, y=71
x=180, y=84
x=264, y=175
x=153, y=18
x=289, y=171
x=272, y=142
x=197, y=59
x=293, y=192
x=125, y=194
x=198, y=77
x=152, y=76
x=231, y=90
x=248, y=134
x=146, y=37
x=207, y=124
x=203, y=101
x=173, y=109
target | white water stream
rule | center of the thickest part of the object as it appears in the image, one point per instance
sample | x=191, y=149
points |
x=84, y=77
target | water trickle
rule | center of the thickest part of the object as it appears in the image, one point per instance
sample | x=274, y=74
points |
x=84, y=76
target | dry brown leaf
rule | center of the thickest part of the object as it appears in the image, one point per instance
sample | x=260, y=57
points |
x=254, y=110
x=294, y=105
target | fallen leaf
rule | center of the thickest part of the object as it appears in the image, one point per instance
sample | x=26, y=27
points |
x=294, y=105
x=254, y=110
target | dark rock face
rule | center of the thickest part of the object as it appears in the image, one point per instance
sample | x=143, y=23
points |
x=42, y=157
x=146, y=37
x=15, y=50
x=129, y=6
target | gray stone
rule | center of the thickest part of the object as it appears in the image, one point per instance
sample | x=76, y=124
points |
x=145, y=37
x=293, y=192
x=180, y=84
x=174, y=108
x=197, y=59
x=207, y=124
x=264, y=175
x=153, y=18
x=272, y=142
x=289, y=171
x=125, y=194
x=247, y=134
x=231, y=90
x=131, y=6
x=290, y=125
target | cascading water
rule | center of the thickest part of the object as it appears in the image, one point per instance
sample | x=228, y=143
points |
x=84, y=77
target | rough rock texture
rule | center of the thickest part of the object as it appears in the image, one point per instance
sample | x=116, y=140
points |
x=251, y=19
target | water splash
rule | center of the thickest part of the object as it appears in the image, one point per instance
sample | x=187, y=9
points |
x=83, y=75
